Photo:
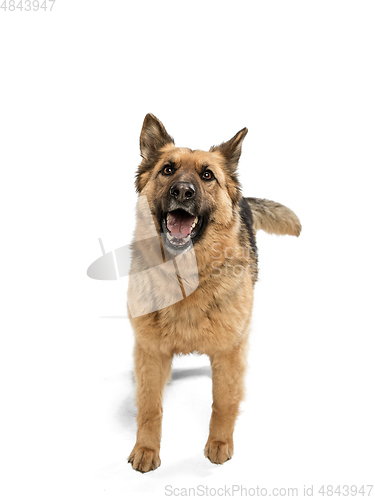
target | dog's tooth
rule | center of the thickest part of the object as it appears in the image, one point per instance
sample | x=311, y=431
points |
x=195, y=220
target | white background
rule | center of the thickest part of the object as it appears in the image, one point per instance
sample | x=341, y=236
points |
x=76, y=84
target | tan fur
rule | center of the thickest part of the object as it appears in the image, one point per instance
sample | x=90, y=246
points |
x=273, y=217
x=215, y=318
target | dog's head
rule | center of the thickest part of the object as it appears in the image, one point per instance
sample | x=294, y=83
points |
x=187, y=190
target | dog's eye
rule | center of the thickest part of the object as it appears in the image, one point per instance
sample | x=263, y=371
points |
x=207, y=175
x=168, y=170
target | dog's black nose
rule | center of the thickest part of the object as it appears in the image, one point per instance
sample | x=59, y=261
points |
x=182, y=191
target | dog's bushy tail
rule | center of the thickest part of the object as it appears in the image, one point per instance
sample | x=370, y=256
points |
x=273, y=217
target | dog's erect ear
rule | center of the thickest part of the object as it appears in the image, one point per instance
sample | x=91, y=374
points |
x=231, y=150
x=153, y=137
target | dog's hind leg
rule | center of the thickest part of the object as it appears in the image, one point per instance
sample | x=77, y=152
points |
x=152, y=370
x=228, y=370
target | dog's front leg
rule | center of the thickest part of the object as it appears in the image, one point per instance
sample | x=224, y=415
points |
x=228, y=370
x=152, y=370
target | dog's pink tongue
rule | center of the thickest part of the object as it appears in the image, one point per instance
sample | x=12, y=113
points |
x=179, y=224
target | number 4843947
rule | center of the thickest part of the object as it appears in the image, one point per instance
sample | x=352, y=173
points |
x=27, y=5
x=345, y=490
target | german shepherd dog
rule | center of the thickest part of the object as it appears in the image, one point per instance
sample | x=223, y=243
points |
x=195, y=202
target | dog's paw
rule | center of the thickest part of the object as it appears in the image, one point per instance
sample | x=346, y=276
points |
x=218, y=451
x=144, y=459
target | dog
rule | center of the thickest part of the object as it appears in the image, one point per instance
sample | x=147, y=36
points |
x=194, y=206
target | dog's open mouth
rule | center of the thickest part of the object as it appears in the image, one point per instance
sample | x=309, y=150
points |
x=180, y=228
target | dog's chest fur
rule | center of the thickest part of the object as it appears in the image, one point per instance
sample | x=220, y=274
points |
x=216, y=314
